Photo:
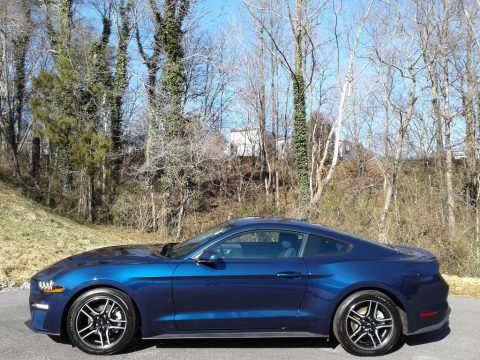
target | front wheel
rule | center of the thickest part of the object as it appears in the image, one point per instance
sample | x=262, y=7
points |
x=102, y=321
x=367, y=323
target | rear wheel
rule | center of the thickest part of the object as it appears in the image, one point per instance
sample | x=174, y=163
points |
x=367, y=323
x=102, y=321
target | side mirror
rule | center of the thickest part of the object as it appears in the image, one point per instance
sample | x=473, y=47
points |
x=208, y=257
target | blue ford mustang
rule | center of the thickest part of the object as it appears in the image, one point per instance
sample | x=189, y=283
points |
x=250, y=277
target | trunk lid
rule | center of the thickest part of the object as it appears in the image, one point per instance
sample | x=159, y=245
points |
x=414, y=252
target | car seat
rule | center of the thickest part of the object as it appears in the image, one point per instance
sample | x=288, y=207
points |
x=288, y=241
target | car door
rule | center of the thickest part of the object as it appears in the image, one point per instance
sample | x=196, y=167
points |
x=257, y=283
x=321, y=254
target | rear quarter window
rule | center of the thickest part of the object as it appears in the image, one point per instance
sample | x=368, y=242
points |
x=321, y=246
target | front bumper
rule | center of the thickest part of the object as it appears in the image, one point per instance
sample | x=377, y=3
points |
x=31, y=326
x=46, y=311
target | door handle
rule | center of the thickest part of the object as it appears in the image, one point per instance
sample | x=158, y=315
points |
x=290, y=274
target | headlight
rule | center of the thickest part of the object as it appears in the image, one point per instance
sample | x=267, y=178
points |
x=50, y=286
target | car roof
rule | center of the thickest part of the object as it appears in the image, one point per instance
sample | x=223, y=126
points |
x=252, y=222
x=256, y=220
x=372, y=247
x=238, y=225
x=294, y=224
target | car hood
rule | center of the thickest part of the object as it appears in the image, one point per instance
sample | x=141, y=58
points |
x=131, y=252
x=125, y=254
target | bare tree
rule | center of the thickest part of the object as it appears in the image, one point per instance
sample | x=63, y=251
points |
x=165, y=101
x=300, y=21
x=15, y=35
x=397, y=70
x=322, y=173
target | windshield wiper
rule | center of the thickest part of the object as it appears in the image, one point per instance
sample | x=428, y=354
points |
x=167, y=249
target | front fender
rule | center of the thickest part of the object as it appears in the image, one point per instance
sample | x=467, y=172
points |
x=148, y=285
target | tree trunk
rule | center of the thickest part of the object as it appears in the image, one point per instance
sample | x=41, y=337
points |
x=261, y=114
x=49, y=173
x=120, y=86
x=477, y=218
x=449, y=155
x=273, y=176
x=469, y=113
x=300, y=131
x=439, y=153
x=392, y=178
x=13, y=128
x=334, y=135
x=35, y=162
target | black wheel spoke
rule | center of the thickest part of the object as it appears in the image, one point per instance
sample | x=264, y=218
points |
x=375, y=309
x=105, y=306
x=117, y=327
x=101, y=338
x=357, y=335
x=117, y=321
x=107, y=336
x=355, y=318
x=372, y=309
x=373, y=340
x=384, y=324
x=86, y=314
x=92, y=312
x=90, y=333
x=377, y=337
x=84, y=329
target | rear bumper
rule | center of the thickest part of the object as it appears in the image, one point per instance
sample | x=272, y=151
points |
x=433, y=327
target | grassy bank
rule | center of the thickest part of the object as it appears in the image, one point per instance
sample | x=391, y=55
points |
x=32, y=237
x=463, y=286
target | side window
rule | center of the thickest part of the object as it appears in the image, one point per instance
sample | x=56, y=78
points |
x=260, y=244
x=318, y=246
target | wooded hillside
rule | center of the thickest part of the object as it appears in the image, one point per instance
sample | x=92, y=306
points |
x=365, y=114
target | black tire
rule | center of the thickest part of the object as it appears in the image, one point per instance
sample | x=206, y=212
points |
x=367, y=323
x=102, y=321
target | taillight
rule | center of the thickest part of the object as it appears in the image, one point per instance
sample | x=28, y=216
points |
x=428, y=314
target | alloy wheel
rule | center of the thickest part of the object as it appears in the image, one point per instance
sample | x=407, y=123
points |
x=369, y=324
x=101, y=322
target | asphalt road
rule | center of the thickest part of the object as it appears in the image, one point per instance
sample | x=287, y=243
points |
x=459, y=340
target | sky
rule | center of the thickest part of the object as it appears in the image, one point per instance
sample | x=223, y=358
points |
x=220, y=14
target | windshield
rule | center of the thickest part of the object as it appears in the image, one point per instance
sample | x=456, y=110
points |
x=184, y=248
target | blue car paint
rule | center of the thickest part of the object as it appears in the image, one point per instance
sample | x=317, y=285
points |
x=243, y=294
x=179, y=295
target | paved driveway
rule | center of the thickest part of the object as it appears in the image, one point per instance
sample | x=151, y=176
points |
x=461, y=340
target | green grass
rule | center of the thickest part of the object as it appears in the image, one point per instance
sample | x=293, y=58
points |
x=32, y=237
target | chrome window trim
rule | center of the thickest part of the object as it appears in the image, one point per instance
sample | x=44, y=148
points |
x=196, y=255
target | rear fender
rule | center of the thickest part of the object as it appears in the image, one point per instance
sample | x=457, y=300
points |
x=394, y=295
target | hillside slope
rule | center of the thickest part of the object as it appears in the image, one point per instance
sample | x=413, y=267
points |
x=32, y=237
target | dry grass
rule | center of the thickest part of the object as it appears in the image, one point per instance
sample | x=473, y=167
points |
x=32, y=237
x=463, y=286
x=417, y=217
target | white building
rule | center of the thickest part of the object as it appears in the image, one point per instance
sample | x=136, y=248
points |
x=245, y=142
x=284, y=146
x=346, y=150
